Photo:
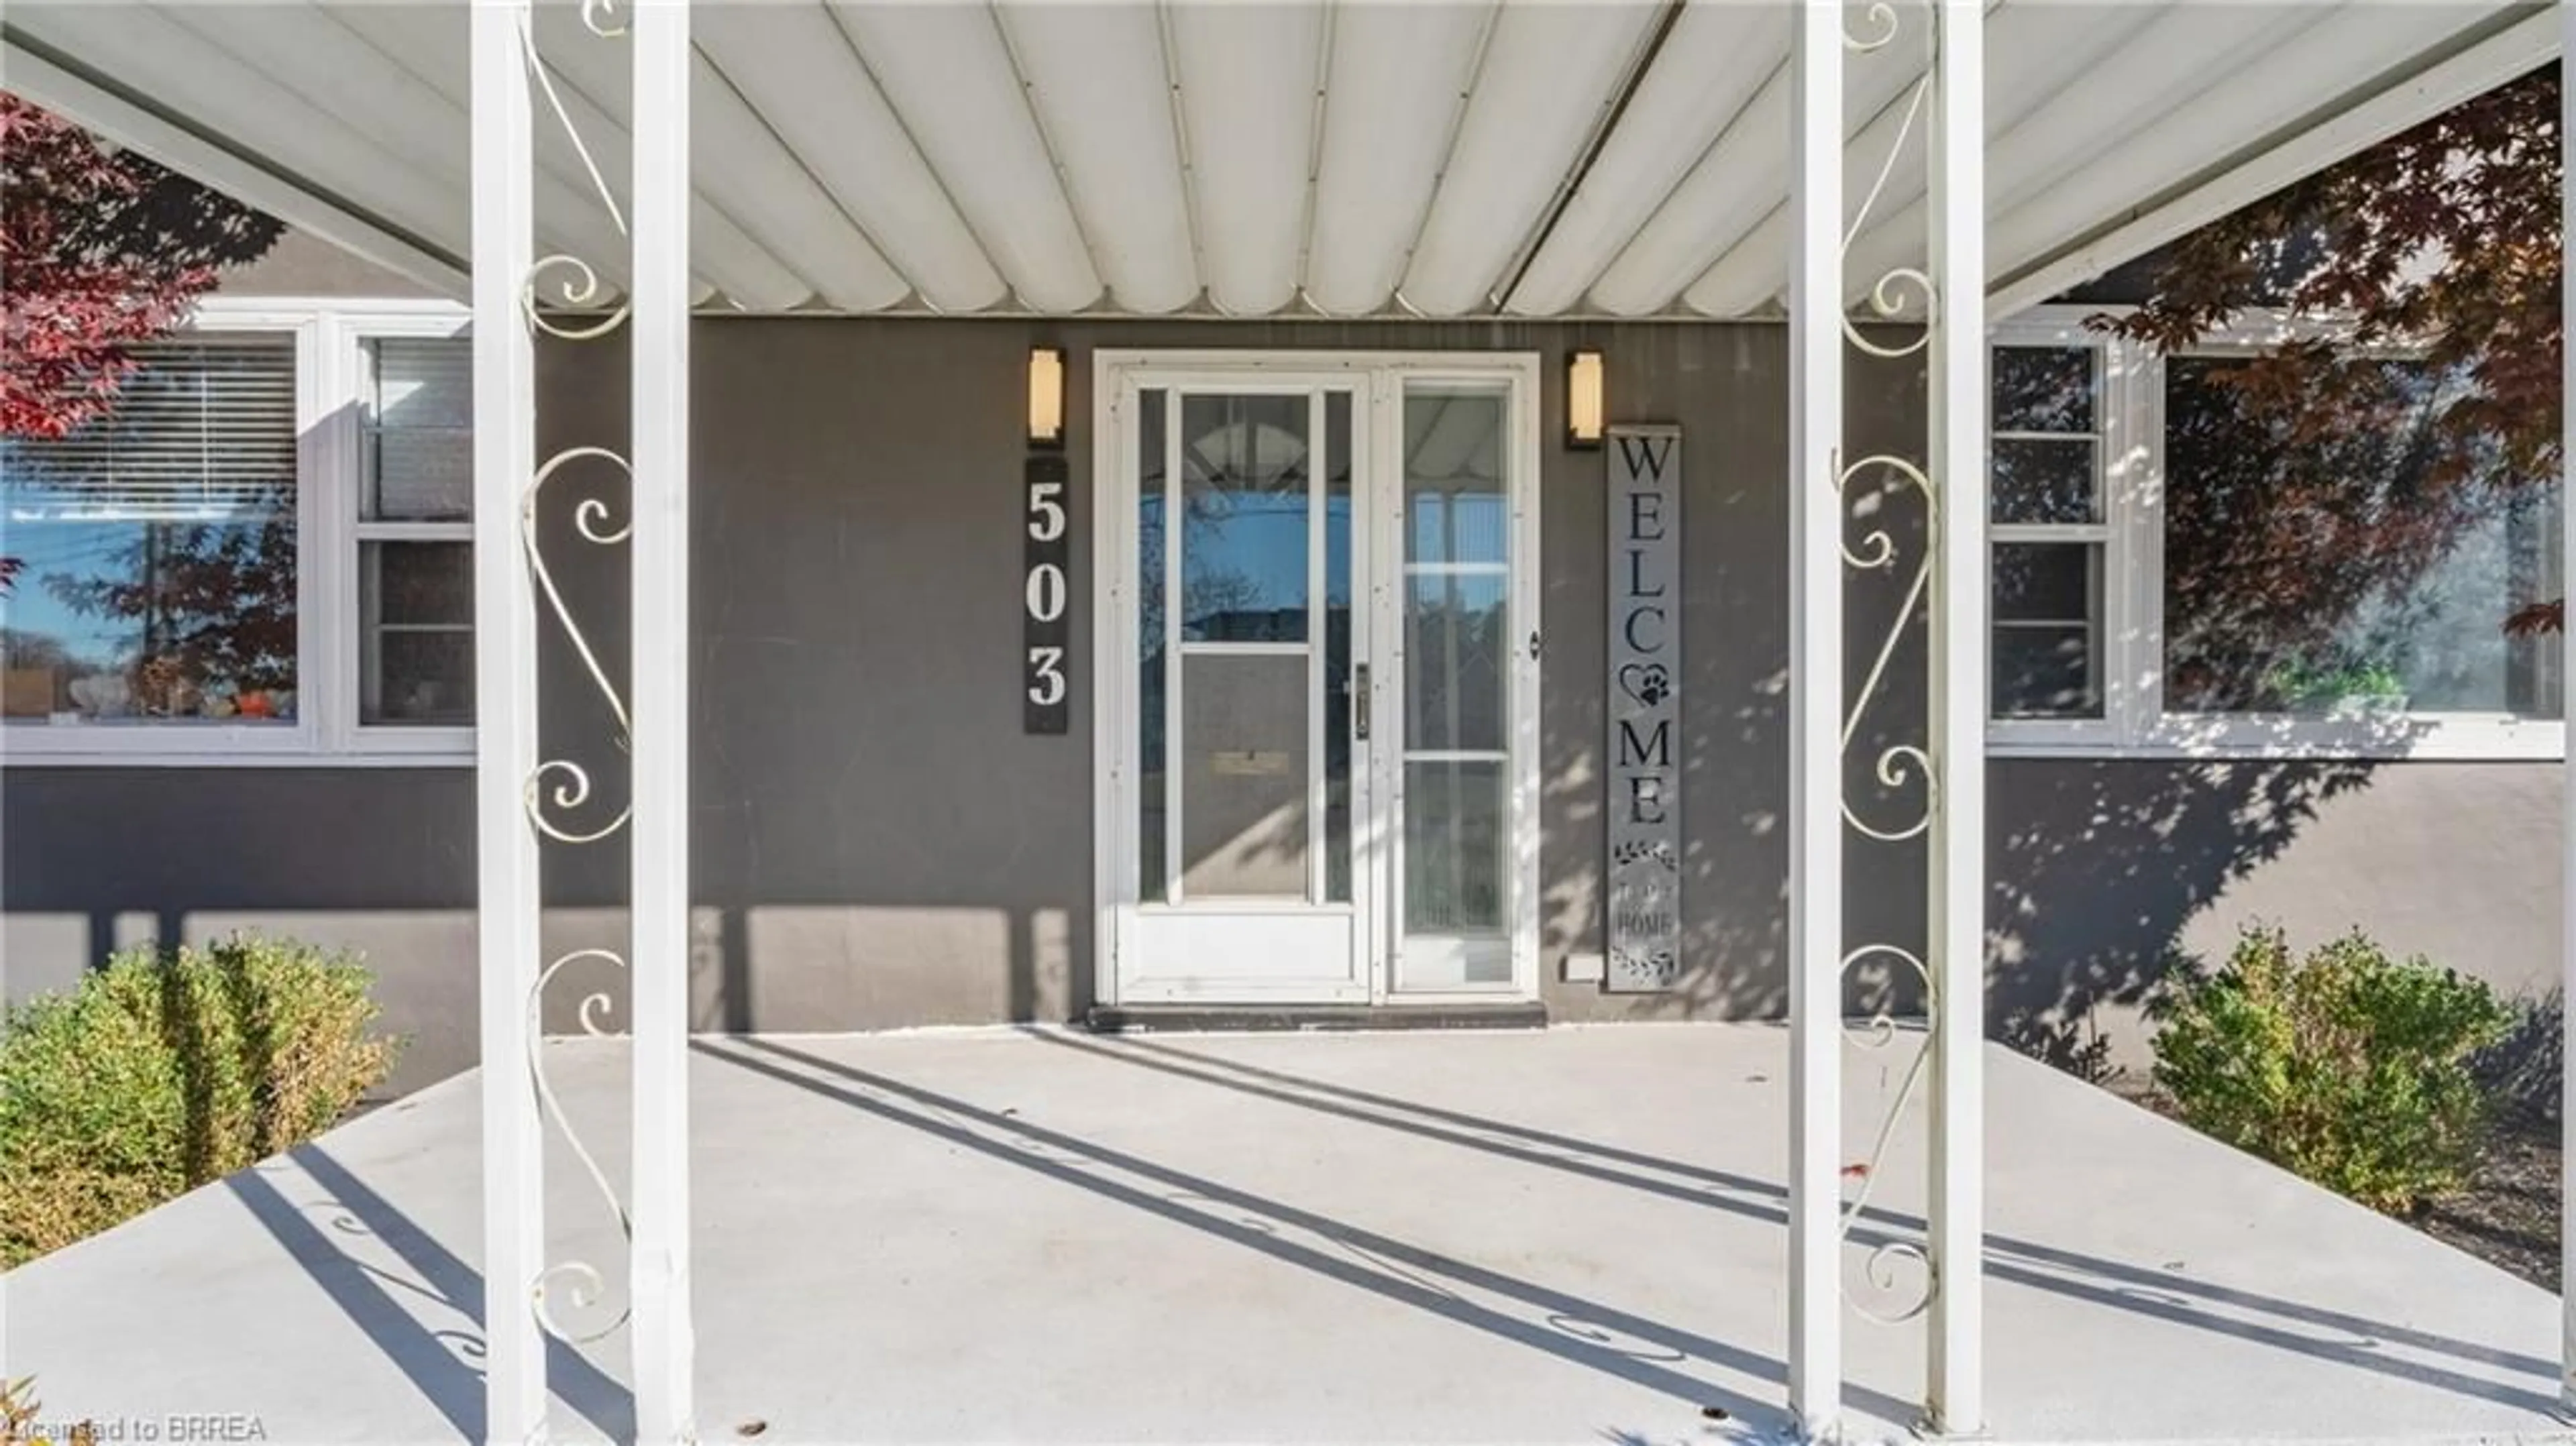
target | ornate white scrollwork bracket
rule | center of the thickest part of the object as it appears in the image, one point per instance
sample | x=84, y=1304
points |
x=1901, y=1277
x=561, y=786
x=582, y=1283
x=1891, y=1260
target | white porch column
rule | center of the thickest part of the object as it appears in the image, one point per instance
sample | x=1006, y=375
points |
x=664, y=1342
x=1955, y=1394
x=1815, y=717
x=2566, y=690
x=505, y=738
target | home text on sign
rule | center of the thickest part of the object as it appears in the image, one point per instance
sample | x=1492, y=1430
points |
x=1645, y=742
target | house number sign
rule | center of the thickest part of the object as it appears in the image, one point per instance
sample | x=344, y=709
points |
x=1645, y=742
x=1045, y=627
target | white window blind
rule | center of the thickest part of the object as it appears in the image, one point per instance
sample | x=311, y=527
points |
x=421, y=426
x=204, y=431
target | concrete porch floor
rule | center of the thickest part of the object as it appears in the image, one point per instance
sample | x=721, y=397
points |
x=1568, y=1236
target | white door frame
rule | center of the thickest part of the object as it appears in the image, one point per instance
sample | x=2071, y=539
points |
x=1379, y=377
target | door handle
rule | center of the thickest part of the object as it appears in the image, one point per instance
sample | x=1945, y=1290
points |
x=1360, y=702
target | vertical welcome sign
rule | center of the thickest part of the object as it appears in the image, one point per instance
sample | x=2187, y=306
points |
x=1645, y=742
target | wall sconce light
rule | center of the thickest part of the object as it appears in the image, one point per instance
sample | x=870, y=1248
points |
x=1046, y=397
x=1583, y=400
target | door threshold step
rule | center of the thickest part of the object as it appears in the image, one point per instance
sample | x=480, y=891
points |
x=1281, y=1018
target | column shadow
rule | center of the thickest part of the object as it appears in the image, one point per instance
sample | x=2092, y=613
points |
x=1633, y=1348
x=444, y=1364
x=2162, y=1295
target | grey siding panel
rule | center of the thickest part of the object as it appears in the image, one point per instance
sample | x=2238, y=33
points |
x=878, y=844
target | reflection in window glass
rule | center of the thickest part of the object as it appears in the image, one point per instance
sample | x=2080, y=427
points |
x=156, y=546
x=1456, y=647
x=2344, y=569
x=2045, y=479
x=2047, y=660
x=416, y=632
x=415, y=547
x=1337, y=647
x=1244, y=539
x=1453, y=478
x=2049, y=531
x=1457, y=641
x=1456, y=854
x=2049, y=389
x=419, y=452
x=1245, y=789
x=1151, y=645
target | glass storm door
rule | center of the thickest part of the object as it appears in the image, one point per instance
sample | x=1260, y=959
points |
x=1320, y=709
x=1245, y=670
x=1459, y=641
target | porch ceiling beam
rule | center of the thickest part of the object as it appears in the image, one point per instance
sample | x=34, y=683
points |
x=742, y=170
x=2038, y=89
x=1398, y=77
x=852, y=141
x=342, y=73
x=2194, y=49
x=1551, y=74
x=1097, y=85
x=2301, y=146
x=949, y=76
x=50, y=78
x=1717, y=60
x=1746, y=276
x=1815, y=133
x=1720, y=207
x=1248, y=78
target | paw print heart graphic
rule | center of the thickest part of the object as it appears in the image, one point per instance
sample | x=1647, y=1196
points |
x=1648, y=683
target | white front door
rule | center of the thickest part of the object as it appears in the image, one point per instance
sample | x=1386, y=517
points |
x=1318, y=679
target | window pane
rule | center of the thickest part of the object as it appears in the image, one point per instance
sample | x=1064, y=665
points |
x=1337, y=647
x=2048, y=582
x=1455, y=641
x=1244, y=540
x=2047, y=659
x=1151, y=649
x=1453, y=477
x=2045, y=480
x=416, y=632
x=1244, y=784
x=419, y=582
x=1454, y=844
x=2354, y=566
x=2044, y=389
x=420, y=437
x=420, y=678
x=2046, y=671
x=157, y=546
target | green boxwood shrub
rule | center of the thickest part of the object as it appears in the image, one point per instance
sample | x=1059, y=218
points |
x=2349, y=1067
x=163, y=1071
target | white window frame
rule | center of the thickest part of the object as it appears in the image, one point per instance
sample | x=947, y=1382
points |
x=2135, y=723
x=330, y=397
x=348, y=529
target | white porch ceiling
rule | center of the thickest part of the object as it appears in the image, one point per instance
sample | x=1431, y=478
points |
x=1622, y=158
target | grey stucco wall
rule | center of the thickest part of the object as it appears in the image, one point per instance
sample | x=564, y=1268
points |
x=303, y=264
x=879, y=844
x=2104, y=869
